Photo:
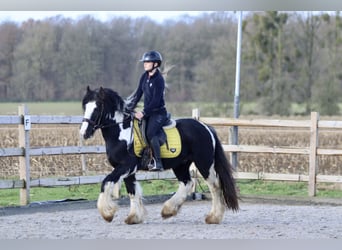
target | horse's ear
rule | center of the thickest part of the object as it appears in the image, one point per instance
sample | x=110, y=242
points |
x=101, y=93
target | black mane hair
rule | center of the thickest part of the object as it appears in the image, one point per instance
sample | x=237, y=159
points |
x=106, y=96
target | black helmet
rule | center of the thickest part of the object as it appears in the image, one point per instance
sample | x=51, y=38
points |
x=152, y=56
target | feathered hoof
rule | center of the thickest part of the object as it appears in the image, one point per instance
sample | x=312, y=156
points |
x=106, y=207
x=212, y=219
x=168, y=213
x=106, y=217
x=133, y=219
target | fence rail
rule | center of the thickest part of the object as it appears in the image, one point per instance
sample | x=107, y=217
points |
x=24, y=151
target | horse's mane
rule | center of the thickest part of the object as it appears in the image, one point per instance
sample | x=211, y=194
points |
x=106, y=95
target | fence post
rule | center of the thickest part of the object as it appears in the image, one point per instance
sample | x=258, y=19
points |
x=194, y=170
x=24, y=161
x=313, y=160
x=83, y=160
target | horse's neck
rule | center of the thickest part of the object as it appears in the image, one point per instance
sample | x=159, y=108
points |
x=118, y=133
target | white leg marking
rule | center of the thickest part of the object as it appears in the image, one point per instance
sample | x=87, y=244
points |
x=137, y=211
x=217, y=209
x=105, y=203
x=172, y=206
x=116, y=189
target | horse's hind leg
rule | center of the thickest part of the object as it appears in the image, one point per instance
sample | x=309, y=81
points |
x=137, y=210
x=218, y=207
x=172, y=206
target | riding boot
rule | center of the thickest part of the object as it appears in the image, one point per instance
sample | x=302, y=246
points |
x=158, y=166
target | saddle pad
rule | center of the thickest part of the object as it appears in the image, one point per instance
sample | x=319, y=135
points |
x=170, y=149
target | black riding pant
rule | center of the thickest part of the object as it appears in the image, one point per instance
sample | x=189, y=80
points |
x=155, y=123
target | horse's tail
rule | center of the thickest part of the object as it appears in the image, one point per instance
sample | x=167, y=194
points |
x=225, y=173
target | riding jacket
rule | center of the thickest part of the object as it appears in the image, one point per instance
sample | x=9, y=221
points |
x=153, y=89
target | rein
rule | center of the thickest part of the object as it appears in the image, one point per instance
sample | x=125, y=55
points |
x=97, y=124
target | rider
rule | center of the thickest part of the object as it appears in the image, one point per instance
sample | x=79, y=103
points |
x=152, y=86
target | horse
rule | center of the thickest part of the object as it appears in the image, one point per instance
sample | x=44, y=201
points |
x=104, y=109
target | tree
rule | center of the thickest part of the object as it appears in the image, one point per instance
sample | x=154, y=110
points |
x=195, y=47
x=34, y=63
x=79, y=58
x=9, y=34
x=306, y=53
x=327, y=92
x=268, y=50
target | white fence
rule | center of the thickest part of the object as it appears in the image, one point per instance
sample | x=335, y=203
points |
x=24, y=151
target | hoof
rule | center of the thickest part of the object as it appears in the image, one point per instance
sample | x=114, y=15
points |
x=211, y=219
x=167, y=215
x=167, y=212
x=132, y=219
x=108, y=218
x=106, y=207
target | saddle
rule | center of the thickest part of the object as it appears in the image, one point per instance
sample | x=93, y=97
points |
x=170, y=140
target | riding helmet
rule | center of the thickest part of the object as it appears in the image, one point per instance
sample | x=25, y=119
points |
x=152, y=56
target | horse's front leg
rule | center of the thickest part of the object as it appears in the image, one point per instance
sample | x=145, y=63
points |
x=106, y=203
x=137, y=210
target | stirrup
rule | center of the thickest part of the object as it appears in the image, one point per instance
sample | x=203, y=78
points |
x=152, y=166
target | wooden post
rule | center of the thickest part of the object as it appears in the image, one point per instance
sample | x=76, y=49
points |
x=24, y=161
x=313, y=161
x=193, y=169
x=231, y=142
x=83, y=159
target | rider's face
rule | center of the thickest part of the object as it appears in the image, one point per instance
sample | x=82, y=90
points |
x=148, y=66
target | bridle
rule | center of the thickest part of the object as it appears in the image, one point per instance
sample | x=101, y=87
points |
x=97, y=123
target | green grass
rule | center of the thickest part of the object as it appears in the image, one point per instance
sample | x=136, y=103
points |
x=43, y=108
x=177, y=109
x=286, y=189
x=275, y=188
x=10, y=197
x=74, y=108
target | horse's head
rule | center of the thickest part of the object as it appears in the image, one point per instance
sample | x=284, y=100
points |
x=102, y=107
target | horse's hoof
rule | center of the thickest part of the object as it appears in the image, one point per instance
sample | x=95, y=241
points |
x=107, y=218
x=166, y=216
x=132, y=219
x=211, y=219
x=167, y=213
x=106, y=207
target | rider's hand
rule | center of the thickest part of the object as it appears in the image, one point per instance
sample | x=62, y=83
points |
x=139, y=115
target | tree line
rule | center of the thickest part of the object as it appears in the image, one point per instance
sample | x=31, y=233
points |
x=288, y=58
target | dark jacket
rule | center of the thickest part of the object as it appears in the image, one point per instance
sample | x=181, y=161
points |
x=153, y=89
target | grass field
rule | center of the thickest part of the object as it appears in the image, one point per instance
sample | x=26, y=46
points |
x=75, y=108
x=44, y=108
x=10, y=197
x=177, y=109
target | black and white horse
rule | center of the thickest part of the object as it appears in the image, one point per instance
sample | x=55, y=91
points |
x=104, y=109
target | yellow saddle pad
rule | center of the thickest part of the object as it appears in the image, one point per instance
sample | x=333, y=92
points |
x=170, y=149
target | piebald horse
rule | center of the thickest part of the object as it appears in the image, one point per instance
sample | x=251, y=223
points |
x=104, y=109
